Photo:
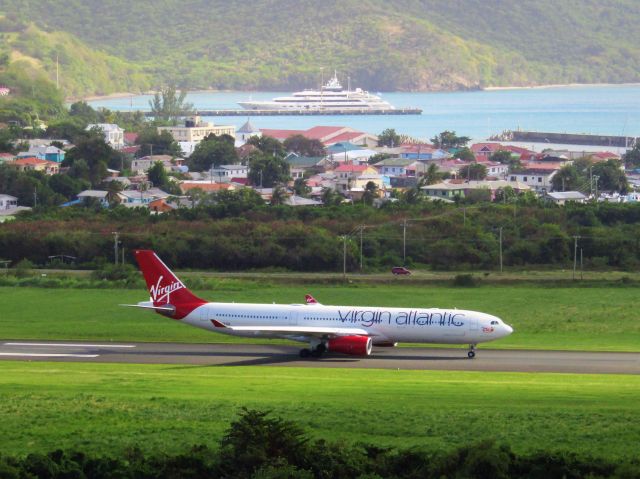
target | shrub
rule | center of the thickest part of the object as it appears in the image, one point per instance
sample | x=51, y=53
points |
x=465, y=281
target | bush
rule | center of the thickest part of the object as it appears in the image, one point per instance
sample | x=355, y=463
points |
x=465, y=281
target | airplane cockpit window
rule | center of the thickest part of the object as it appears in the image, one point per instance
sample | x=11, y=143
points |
x=495, y=322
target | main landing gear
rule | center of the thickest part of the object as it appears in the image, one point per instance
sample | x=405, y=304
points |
x=472, y=351
x=316, y=352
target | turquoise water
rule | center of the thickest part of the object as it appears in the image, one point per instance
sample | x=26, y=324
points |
x=607, y=109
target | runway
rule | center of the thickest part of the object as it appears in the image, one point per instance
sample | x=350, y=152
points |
x=287, y=356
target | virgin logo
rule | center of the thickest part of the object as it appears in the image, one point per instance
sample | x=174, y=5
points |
x=161, y=294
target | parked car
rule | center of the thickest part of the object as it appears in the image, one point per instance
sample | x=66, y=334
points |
x=400, y=270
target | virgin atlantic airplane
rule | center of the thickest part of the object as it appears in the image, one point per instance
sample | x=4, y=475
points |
x=343, y=329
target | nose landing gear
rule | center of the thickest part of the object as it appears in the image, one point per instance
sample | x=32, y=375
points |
x=472, y=351
x=316, y=352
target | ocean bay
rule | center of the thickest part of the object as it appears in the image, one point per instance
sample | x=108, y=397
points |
x=593, y=109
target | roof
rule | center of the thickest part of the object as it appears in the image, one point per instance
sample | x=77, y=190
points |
x=473, y=184
x=352, y=168
x=567, y=195
x=204, y=186
x=294, y=200
x=248, y=128
x=492, y=147
x=394, y=162
x=33, y=161
x=130, y=137
x=104, y=126
x=93, y=194
x=303, y=161
x=342, y=146
x=7, y=197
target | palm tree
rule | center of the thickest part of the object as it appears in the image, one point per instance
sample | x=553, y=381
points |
x=113, y=193
x=370, y=192
x=278, y=195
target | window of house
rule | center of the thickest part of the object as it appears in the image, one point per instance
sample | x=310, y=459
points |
x=539, y=179
x=513, y=178
x=524, y=178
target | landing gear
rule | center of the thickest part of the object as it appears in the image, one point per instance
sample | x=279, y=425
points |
x=316, y=352
x=472, y=353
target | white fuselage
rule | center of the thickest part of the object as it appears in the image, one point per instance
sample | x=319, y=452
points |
x=384, y=325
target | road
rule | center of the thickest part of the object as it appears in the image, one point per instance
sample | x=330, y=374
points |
x=287, y=356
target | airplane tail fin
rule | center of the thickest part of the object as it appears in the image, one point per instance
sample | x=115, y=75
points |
x=165, y=289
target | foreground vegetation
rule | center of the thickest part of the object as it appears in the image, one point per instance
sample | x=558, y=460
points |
x=109, y=408
x=562, y=318
x=258, y=445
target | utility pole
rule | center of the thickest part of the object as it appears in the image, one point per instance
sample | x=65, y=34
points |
x=464, y=216
x=501, y=249
x=361, y=263
x=115, y=247
x=35, y=197
x=575, y=254
x=344, y=257
x=581, y=269
x=404, y=242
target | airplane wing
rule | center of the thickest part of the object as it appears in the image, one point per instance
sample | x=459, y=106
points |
x=297, y=330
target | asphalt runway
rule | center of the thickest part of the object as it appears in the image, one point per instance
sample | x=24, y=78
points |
x=287, y=356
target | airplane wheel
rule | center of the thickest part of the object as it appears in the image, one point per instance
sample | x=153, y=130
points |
x=305, y=353
x=316, y=353
x=471, y=354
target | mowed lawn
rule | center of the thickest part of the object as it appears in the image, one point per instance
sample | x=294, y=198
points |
x=110, y=407
x=588, y=318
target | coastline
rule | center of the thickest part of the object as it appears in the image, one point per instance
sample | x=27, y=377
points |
x=118, y=95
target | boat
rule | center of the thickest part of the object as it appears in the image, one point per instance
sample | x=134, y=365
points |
x=330, y=97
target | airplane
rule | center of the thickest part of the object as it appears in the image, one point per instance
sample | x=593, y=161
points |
x=352, y=330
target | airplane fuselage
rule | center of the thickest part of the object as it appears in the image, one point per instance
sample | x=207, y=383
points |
x=384, y=325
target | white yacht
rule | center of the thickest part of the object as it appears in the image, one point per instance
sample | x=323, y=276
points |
x=331, y=97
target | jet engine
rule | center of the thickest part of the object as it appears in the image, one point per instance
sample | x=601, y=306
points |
x=354, y=345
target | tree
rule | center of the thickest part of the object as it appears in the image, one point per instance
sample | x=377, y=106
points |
x=157, y=175
x=370, y=193
x=610, y=176
x=448, y=139
x=97, y=154
x=431, y=176
x=465, y=154
x=632, y=157
x=154, y=143
x=567, y=179
x=300, y=187
x=268, y=145
x=331, y=197
x=168, y=104
x=501, y=156
x=389, y=138
x=267, y=170
x=84, y=112
x=373, y=159
x=475, y=171
x=304, y=146
x=213, y=151
x=278, y=195
x=113, y=190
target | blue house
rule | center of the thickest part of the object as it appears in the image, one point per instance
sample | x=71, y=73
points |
x=49, y=153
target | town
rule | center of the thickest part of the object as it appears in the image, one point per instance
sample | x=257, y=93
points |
x=177, y=165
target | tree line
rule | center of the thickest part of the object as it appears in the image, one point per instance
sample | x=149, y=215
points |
x=235, y=230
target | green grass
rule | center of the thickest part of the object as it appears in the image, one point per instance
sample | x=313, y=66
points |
x=109, y=407
x=595, y=318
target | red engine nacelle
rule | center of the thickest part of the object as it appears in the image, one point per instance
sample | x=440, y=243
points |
x=354, y=345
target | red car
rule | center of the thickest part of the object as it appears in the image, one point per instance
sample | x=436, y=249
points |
x=400, y=270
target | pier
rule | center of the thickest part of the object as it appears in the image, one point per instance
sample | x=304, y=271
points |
x=568, y=138
x=303, y=112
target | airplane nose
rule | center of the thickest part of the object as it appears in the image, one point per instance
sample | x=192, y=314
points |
x=508, y=329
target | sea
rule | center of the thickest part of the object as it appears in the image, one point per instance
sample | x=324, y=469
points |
x=591, y=109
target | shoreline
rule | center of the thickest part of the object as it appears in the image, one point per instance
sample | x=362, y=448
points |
x=119, y=95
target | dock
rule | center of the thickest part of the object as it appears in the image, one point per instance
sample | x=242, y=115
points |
x=568, y=138
x=303, y=112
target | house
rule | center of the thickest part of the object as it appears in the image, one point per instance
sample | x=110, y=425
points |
x=195, y=130
x=561, y=197
x=245, y=132
x=397, y=167
x=538, y=177
x=206, y=186
x=449, y=189
x=113, y=134
x=482, y=151
x=327, y=135
x=141, y=197
x=305, y=163
x=142, y=165
x=495, y=169
x=130, y=138
x=8, y=202
x=48, y=153
x=348, y=173
x=422, y=152
x=5, y=157
x=294, y=200
x=225, y=173
x=34, y=164
x=96, y=195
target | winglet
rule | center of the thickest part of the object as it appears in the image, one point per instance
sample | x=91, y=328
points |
x=310, y=299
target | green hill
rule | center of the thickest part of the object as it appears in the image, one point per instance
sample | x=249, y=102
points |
x=382, y=44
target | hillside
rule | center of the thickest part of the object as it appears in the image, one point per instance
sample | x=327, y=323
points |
x=382, y=45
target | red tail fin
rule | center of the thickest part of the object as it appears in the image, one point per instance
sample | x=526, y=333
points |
x=164, y=286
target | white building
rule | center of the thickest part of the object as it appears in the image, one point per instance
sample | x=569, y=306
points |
x=245, y=132
x=224, y=173
x=535, y=178
x=113, y=134
x=195, y=130
x=8, y=202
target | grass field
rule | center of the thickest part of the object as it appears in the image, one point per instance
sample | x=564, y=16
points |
x=108, y=407
x=587, y=318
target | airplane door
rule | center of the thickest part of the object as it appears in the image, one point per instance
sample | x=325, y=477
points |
x=473, y=324
x=293, y=318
